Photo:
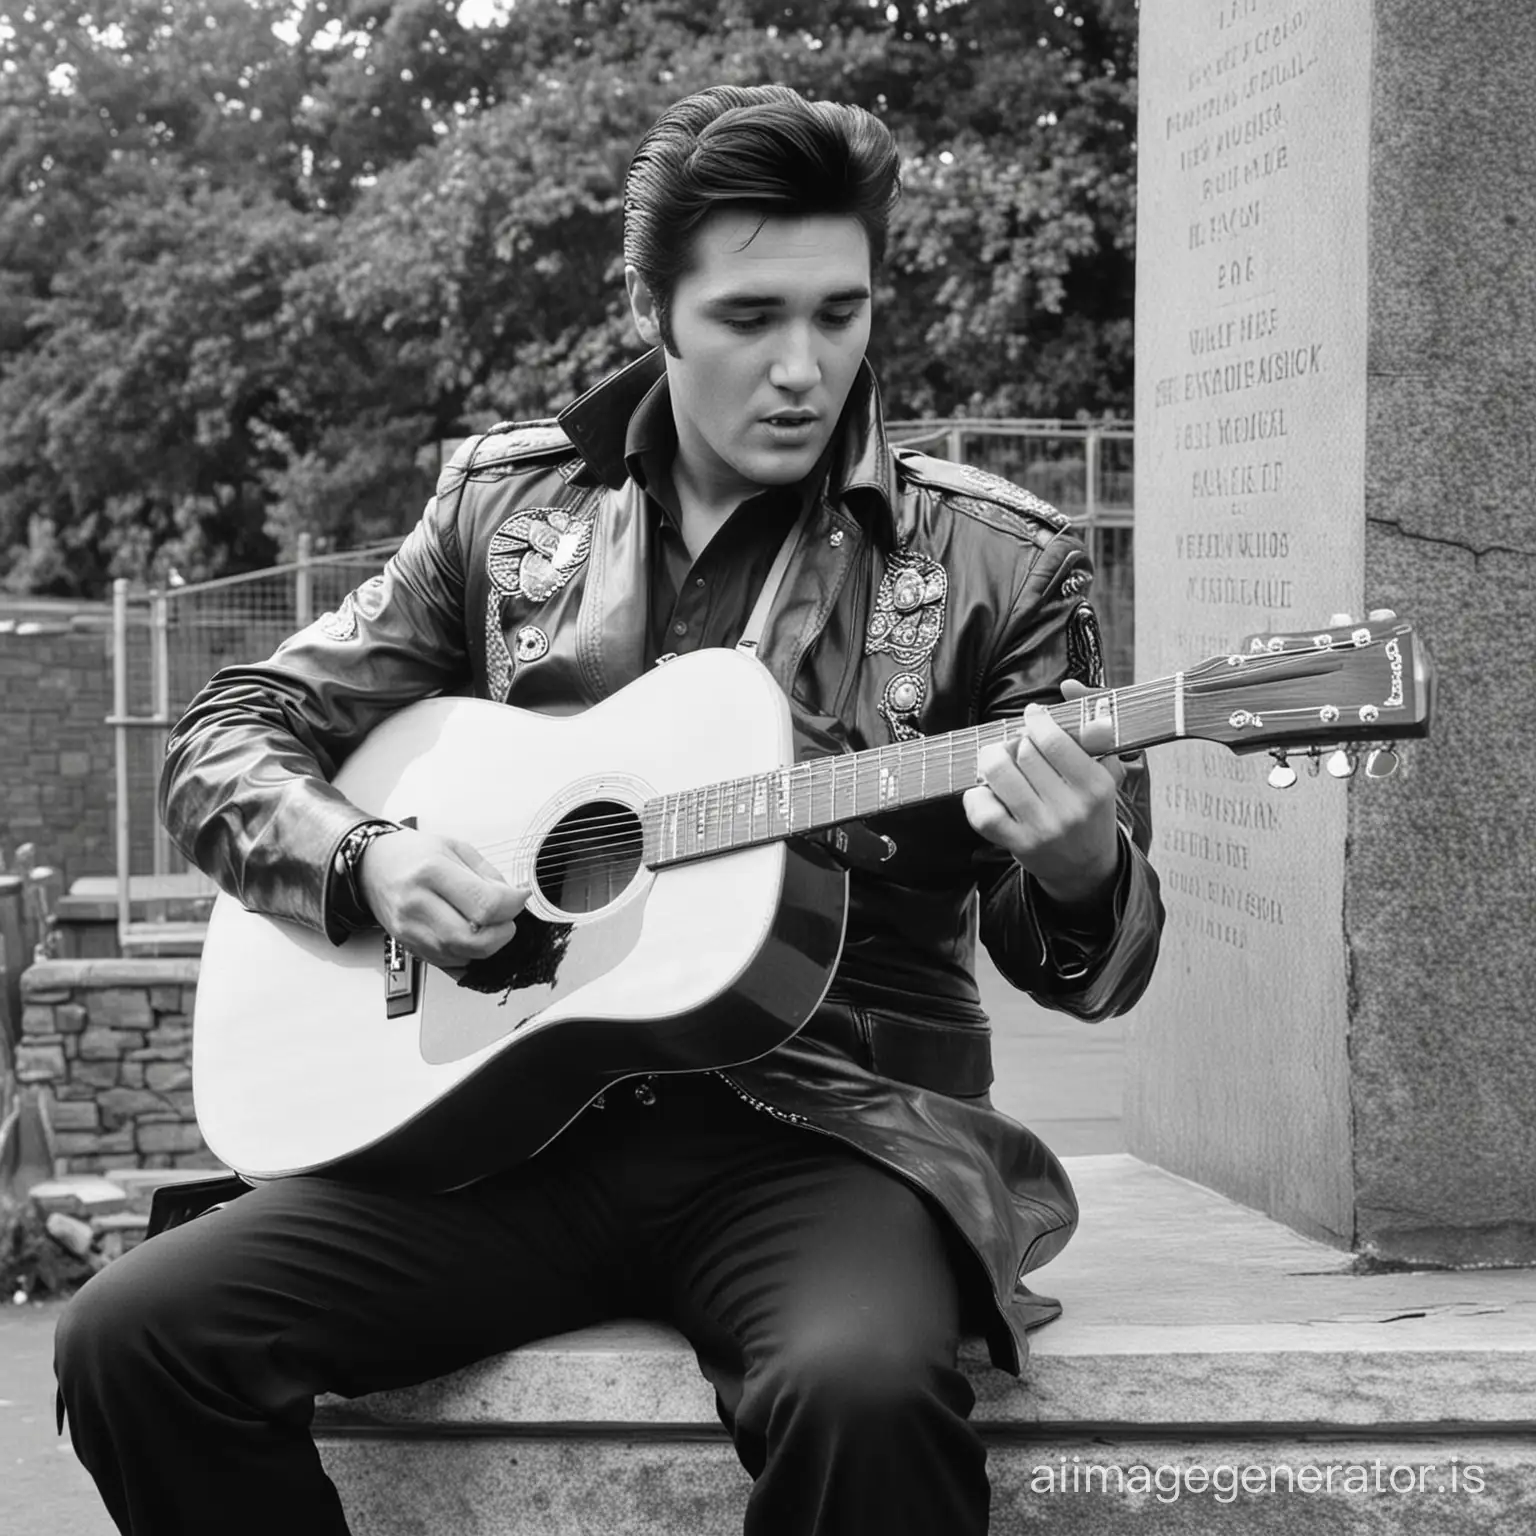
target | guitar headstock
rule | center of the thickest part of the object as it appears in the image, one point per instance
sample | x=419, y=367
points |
x=1367, y=682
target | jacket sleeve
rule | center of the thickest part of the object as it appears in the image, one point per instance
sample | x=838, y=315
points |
x=245, y=788
x=1050, y=635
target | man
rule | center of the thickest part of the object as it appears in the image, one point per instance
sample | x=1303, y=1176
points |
x=823, y=1224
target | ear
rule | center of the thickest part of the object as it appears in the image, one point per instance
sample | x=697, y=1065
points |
x=642, y=305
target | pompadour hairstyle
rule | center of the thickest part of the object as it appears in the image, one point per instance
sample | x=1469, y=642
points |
x=764, y=148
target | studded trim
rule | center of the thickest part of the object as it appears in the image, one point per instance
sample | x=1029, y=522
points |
x=498, y=659
x=1085, y=650
x=907, y=622
x=995, y=488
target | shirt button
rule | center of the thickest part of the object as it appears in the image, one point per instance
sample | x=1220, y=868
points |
x=698, y=581
x=679, y=628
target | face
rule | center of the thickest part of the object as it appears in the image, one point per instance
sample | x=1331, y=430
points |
x=771, y=323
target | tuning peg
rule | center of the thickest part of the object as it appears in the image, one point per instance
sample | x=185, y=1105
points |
x=1342, y=764
x=1381, y=615
x=1282, y=775
x=1339, y=621
x=1381, y=763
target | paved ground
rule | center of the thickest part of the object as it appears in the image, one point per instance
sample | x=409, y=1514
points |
x=1059, y=1076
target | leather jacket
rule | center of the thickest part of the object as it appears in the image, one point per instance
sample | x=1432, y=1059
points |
x=923, y=597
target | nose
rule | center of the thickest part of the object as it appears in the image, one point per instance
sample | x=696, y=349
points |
x=795, y=368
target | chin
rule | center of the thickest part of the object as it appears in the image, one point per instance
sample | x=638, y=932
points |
x=784, y=467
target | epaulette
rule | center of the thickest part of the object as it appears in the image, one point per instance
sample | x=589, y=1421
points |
x=966, y=480
x=508, y=447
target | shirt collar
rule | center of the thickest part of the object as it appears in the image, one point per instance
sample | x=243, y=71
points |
x=602, y=424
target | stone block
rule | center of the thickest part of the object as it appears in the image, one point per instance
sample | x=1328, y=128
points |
x=120, y=1105
x=70, y=1018
x=70, y=1233
x=38, y=1019
x=79, y=1195
x=41, y=994
x=75, y=1115
x=188, y=1001
x=120, y=1008
x=167, y=1033
x=99, y=1043
x=147, y=1053
x=39, y=1063
x=94, y=1074
x=165, y=999
x=131, y=1074
x=75, y=765
x=167, y=1137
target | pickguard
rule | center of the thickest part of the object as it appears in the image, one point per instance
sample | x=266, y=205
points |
x=543, y=963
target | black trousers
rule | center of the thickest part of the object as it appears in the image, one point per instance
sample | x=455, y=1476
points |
x=824, y=1298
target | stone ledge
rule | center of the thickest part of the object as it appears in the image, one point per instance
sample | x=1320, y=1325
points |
x=1182, y=1309
x=62, y=975
x=639, y=1487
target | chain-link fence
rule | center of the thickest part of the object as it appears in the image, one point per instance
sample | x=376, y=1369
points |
x=1084, y=472
x=169, y=642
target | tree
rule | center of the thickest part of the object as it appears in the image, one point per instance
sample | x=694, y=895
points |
x=258, y=256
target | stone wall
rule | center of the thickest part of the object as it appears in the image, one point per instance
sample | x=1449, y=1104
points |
x=110, y=1043
x=56, y=760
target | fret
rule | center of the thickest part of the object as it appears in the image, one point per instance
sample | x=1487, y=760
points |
x=910, y=757
x=799, y=799
x=845, y=784
x=820, y=775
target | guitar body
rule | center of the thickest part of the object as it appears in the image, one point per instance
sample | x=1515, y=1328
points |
x=301, y=1061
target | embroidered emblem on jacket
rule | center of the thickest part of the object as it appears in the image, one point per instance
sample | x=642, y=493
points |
x=907, y=622
x=342, y=623
x=537, y=551
x=532, y=555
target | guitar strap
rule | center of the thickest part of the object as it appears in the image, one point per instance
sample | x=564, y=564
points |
x=758, y=618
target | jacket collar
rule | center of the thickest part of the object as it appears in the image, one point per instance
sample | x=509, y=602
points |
x=598, y=423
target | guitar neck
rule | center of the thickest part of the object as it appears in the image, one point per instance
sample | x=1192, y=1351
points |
x=809, y=797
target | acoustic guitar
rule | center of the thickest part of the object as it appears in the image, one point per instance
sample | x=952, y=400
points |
x=680, y=917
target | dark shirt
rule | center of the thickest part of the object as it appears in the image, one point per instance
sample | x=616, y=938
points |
x=695, y=603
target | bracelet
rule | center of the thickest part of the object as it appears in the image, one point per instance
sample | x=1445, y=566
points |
x=348, y=904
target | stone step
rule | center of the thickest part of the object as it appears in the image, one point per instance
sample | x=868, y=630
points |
x=1213, y=1371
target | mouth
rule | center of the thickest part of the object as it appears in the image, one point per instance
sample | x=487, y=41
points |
x=791, y=418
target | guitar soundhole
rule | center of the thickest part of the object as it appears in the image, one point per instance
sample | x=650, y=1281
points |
x=589, y=856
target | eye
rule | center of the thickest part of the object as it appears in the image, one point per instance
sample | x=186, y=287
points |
x=747, y=324
x=841, y=319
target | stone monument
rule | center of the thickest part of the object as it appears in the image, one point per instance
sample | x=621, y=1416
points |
x=1336, y=410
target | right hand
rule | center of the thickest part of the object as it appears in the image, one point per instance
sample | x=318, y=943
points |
x=439, y=897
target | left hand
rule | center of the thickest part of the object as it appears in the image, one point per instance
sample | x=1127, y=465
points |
x=1052, y=805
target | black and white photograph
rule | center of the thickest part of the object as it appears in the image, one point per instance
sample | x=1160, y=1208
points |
x=763, y=768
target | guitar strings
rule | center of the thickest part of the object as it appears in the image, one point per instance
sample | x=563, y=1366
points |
x=595, y=848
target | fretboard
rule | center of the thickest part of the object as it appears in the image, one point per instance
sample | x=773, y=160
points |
x=736, y=813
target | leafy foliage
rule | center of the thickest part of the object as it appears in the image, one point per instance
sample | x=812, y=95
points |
x=258, y=256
